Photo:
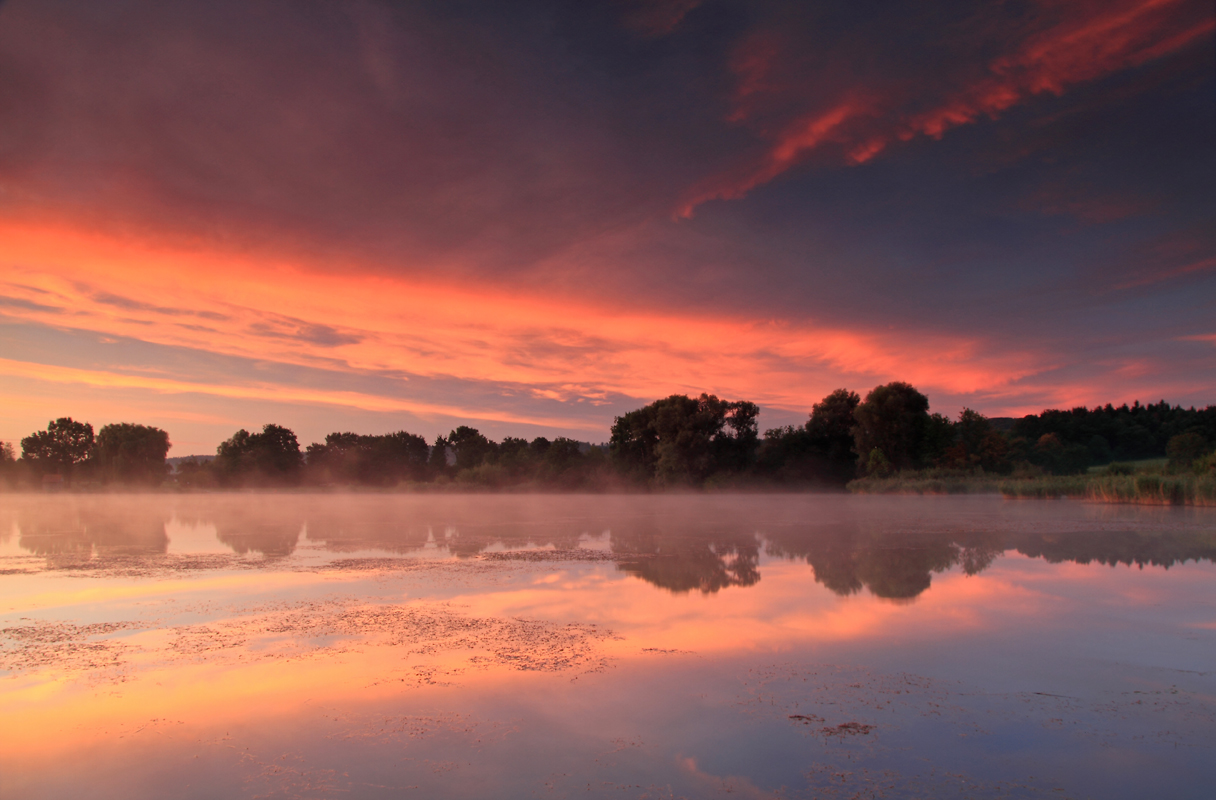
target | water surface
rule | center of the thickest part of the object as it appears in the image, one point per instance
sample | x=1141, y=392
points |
x=291, y=645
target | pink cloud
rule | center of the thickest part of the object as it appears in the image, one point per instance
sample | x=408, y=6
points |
x=1062, y=46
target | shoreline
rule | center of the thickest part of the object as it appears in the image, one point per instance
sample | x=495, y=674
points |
x=1146, y=489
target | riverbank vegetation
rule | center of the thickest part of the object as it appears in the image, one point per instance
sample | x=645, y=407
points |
x=887, y=442
x=1146, y=488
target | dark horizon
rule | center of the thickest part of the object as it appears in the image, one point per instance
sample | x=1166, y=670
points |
x=536, y=217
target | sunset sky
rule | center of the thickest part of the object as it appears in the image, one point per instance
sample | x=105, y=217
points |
x=531, y=217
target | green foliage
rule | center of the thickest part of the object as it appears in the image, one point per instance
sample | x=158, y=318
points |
x=1124, y=433
x=560, y=464
x=1205, y=465
x=877, y=463
x=9, y=468
x=437, y=463
x=830, y=429
x=788, y=455
x=271, y=457
x=194, y=473
x=820, y=452
x=894, y=420
x=60, y=449
x=680, y=440
x=702, y=442
x=1106, y=487
x=939, y=480
x=471, y=447
x=349, y=458
x=1184, y=449
x=1058, y=458
x=977, y=445
x=130, y=453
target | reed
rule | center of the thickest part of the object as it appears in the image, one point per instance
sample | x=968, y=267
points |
x=932, y=481
x=1162, y=490
x=1145, y=489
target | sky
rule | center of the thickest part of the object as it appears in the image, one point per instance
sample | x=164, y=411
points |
x=532, y=217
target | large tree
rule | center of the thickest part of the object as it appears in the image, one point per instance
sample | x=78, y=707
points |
x=61, y=448
x=683, y=440
x=471, y=447
x=377, y=460
x=975, y=443
x=831, y=432
x=892, y=428
x=272, y=456
x=819, y=452
x=132, y=453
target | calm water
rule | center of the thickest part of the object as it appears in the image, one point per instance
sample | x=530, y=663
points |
x=288, y=645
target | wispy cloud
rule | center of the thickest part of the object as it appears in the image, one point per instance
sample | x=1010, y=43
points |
x=1058, y=47
x=370, y=324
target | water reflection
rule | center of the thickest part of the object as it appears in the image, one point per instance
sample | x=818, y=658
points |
x=666, y=542
x=519, y=646
x=847, y=559
x=704, y=560
x=65, y=532
x=1128, y=548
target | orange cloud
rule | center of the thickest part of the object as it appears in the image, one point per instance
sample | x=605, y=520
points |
x=803, y=136
x=404, y=329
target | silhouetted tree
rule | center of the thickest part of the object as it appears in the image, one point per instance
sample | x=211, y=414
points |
x=196, y=473
x=831, y=432
x=892, y=428
x=61, y=448
x=373, y=460
x=270, y=457
x=977, y=444
x=437, y=464
x=471, y=447
x=132, y=453
x=1058, y=458
x=8, y=463
x=682, y=440
x=1126, y=432
x=1184, y=448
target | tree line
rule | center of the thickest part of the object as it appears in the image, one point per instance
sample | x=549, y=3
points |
x=674, y=442
x=121, y=453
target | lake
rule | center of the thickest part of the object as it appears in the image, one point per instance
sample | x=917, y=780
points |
x=641, y=646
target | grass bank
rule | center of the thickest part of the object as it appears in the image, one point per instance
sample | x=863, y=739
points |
x=1147, y=489
x=1157, y=490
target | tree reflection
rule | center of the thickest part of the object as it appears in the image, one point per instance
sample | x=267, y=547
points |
x=1120, y=547
x=87, y=527
x=349, y=523
x=684, y=561
x=270, y=525
x=847, y=559
x=900, y=566
x=679, y=544
x=378, y=528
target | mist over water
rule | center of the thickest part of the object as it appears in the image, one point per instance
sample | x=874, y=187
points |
x=381, y=645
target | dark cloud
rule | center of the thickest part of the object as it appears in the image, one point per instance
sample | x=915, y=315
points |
x=130, y=304
x=446, y=136
x=1034, y=173
x=297, y=330
x=656, y=17
x=28, y=305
